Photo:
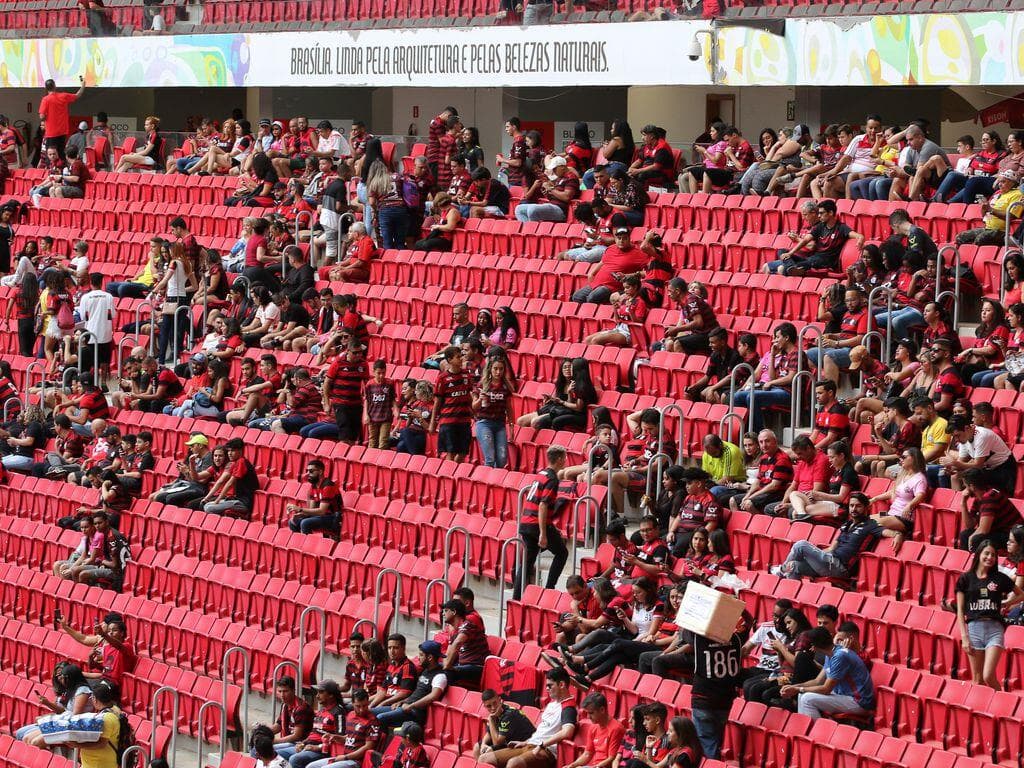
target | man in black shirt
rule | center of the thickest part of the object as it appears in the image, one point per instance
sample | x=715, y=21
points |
x=839, y=559
x=717, y=675
x=464, y=330
x=300, y=277
x=721, y=363
x=917, y=240
x=503, y=726
x=829, y=236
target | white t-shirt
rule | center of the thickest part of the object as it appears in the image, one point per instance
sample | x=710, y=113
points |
x=80, y=264
x=763, y=637
x=985, y=443
x=859, y=152
x=97, y=312
x=555, y=715
x=335, y=143
x=270, y=312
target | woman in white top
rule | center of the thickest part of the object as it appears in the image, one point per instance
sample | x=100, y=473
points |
x=73, y=695
x=267, y=313
x=177, y=282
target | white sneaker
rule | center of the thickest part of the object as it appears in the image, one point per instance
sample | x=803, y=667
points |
x=776, y=570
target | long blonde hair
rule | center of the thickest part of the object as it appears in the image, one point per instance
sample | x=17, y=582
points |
x=378, y=179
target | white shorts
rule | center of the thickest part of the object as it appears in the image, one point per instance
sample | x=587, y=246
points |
x=625, y=330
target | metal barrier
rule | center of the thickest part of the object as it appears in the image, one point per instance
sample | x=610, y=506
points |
x=939, y=293
x=134, y=749
x=656, y=462
x=302, y=640
x=7, y=408
x=448, y=548
x=396, y=598
x=172, y=750
x=795, y=401
x=225, y=682
x=133, y=340
x=726, y=434
x=681, y=440
x=95, y=355
x=245, y=282
x=519, y=572
x=866, y=343
x=40, y=366
x=152, y=324
x=187, y=309
x=298, y=217
x=889, y=293
x=201, y=735
x=749, y=384
x=587, y=528
x=609, y=507
x=277, y=678
x=70, y=374
x=446, y=592
x=372, y=634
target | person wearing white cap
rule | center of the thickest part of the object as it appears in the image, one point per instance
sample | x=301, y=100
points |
x=78, y=138
x=548, y=200
x=994, y=232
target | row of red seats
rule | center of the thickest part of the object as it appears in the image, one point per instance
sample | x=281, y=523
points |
x=175, y=636
x=17, y=754
x=133, y=187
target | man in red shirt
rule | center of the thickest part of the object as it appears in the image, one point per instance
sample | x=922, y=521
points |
x=832, y=421
x=811, y=473
x=453, y=407
x=468, y=649
x=294, y=721
x=343, y=391
x=604, y=737
x=53, y=112
x=323, y=513
x=362, y=733
x=618, y=260
x=111, y=655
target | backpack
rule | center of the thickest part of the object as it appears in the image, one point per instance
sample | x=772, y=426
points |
x=125, y=741
x=65, y=315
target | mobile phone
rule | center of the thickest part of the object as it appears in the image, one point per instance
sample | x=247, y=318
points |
x=57, y=618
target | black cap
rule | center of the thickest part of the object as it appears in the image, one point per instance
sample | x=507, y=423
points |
x=325, y=125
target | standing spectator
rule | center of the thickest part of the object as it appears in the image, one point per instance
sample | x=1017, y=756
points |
x=513, y=165
x=844, y=684
x=437, y=128
x=323, y=513
x=342, y=392
x=234, y=491
x=839, y=559
x=557, y=723
x=503, y=726
x=379, y=395
x=93, y=753
x=452, y=416
x=537, y=527
x=96, y=309
x=986, y=513
x=774, y=474
x=492, y=406
x=982, y=594
x=53, y=114
x=832, y=420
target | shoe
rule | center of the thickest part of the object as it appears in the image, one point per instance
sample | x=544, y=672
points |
x=552, y=661
x=580, y=681
x=776, y=570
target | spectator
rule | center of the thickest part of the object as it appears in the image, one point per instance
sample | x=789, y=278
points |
x=413, y=419
x=994, y=230
x=637, y=455
x=384, y=191
x=858, y=159
x=773, y=375
x=233, y=492
x=430, y=687
x=714, y=385
x=507, y=334
x=839, y=560
x=629, y=308
x=844, y=684
x=699, y=510
x=655, y=164
x=837, y=346
x=464, y=660
x=53, y=114
x=876, y=379
x=486, y=198
x=111, y=655
x=342, y=393
x=361, y=736
x=830, y=501
x=982, y=594
x=194, y=474
x=831, y=419
x=984, y=163
x=294, y=720
x=69, y=447
x=782, y=159
x=723, y=461
x=323, y=513
x=452, y=413
x=72, y=696
x=799, y=664
x=810, y=474
x=399, y=680
x=822, y=159
x=767, y=640
x=301, y=406
x=566, y=408
x=503, y=725
x=604, y=737
x=19, y=443
x=774, y=474
x=542, y=508
x=152, y=154
x=696, y=324
x=557, y=723
x=828, y=237
x=83, y=555
x=442, y=233
x=907, y=493
x=979, y=448
x=104, y=702
x=604, y=278
x=328, y=720
x=96, y=310
x=492, y=406
x=713, y=171
x=513, y=164
x=626, y=197
x=927, y=162
x=949, y=387
x=986, y=513
x=596, y=219
x=549, y=200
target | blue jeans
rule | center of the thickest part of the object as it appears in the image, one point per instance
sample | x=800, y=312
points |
x=304, y=758
x=985, y=378
x=805, y=559
x=974, y=186
x=185, y=163
x=394, y=221
x=588, y=177
x=763, y=398
x=392, y=718
x=710, y=725
x=859, y=189
x=128, y=290
x=539, y=211
x=879, y=188
x=321, y=430
x=902, y=321
x=840, y=356
x=314, y=524
x=17, y=463
x=493, y=438
x=367, y=209
x=952, y=183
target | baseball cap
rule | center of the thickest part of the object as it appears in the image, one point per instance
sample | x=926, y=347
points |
x=83, y=126
x=197, y=440
x=857, y=355
x=622, y=231
x=264, y=122
x=1009, y=173
x=431, y=648
x=555, y=162
x=328, y=686
x=199, y=357
x=324, y=125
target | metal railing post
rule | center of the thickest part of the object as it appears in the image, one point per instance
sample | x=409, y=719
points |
x=589, y=501
x=748, y=384
x=173, y=748
x=95, y=353
x=865, y=342
x=7, y=407
x=681, y=439
x=70, y=374
x=152, y=324
x=246, y=282
x=372, y=634
x=302, y=640
x=225, y=682
x=41, y=367
x=726, y=433
x=939, y=293
x=396, y=597
x=448, y=548
x=795, y=399
x=446, y=592
x=889, y=293
x=519, y=572
x=298, y=218
x=656, y=462
x=201, y=735
x=136, y=749
x=133, y=340
x=188, y=319
x=276, y=677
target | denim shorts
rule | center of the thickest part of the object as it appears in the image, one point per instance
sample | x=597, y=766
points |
x=985, y=634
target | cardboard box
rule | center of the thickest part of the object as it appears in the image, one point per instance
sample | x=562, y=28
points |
x=708, y=612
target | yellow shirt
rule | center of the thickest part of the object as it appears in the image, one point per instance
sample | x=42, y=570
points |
x=889, y=154
x=998, y=205
x=729, y=464
x=103, y=754
x=934, y=435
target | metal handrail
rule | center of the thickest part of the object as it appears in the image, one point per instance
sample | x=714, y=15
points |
x=70, y=374
x=95, y=354
x=889, y=294
x=1017, y=205
x=302, y=641
x=656, y=462
x=134, y=340
x=7, y=407
x=245, y=281
x=173, y=748
x=448, y=548
x=446, y=592
x=396, y=598
x=276, y=677
x=864, y=342
x=955, y=296
x=191, y=332
x=681, y=439
x=748, y=384
x=298, y=218
x=225, y=682
x=152, y=324
x=136, y=749
x=519, y=572
x=727, y=434
x=201, y=735
x=41, y=367
x=798, y=402
x=610, y=510
x=588, y=500
x=372, y=634
x=939, y=293
x=795, y=404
